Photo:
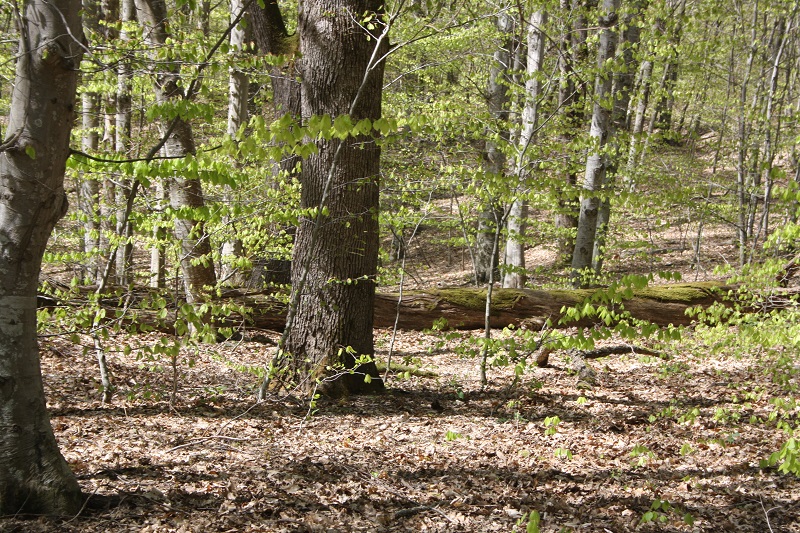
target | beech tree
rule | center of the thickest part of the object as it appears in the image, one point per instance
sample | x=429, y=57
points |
x=185, y=192
x=34, y=477
x=597, y=157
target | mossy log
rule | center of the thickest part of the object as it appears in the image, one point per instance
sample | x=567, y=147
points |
x=461, y=308
x=465, y=308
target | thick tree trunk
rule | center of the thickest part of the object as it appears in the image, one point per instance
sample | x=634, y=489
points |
x=597, y=158
x=185, y=192
x=336, y=250
x=34, y=477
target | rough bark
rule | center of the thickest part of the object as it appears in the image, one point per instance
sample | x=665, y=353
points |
x=34, y=477
x=599, y=134
x=184, y=192
x=336, y=252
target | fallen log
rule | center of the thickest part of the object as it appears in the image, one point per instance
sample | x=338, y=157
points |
x=454, y=308
x=464, y=308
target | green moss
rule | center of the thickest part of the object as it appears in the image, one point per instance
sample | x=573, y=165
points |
x=680, y=292
x=574, y=295
x=475, y=299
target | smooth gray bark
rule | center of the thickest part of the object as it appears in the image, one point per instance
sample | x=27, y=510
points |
x=494, y=164
x=34, y=477
x=599, y=134
x=185, y=192
x=515, y=276
x=238, y=86
x=621, y=88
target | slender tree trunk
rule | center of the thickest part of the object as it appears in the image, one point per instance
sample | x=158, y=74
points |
x=238, y=86
x=123, y=147
x=34, y=477
x=621, y=88
x=185, y=192
x=742, y=146
x=89, y=188
x=494, y=164
x=571, y=95
x=771, y=141
x=662, y=115
x=637, y=126
x=336, y=251
x=600, y=133
x=515, y=275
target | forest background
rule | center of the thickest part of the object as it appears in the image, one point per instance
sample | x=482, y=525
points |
x=597, y=146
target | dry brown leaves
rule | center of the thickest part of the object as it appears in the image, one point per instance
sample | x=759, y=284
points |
x=432, y=454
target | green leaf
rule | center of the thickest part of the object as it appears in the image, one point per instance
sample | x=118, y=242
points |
x=30, y=151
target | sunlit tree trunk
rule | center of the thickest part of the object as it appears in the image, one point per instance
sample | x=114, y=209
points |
x=597, y=158
x=662, y=115
x=515, y=275
x=238, y=86
x=571, y=95
x=34, y=477
x=88, y=186
x=621, y=88
x=772, y=132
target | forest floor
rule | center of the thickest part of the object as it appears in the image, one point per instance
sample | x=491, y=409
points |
x=436, y=452
x=672, y=444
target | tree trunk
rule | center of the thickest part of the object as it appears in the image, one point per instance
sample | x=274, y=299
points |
x=238, y=86
x=122, y=145
x=573, y=52
x=622, y=86
x=336, y=250
x=600, y=133
x=662, y=115
x=34, y=477
x=515, y=275
x=185, y=192
x=494, y=158
x=89, y=189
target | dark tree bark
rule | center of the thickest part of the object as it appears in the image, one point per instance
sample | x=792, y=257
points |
x=336, y=251
x=34, y=477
